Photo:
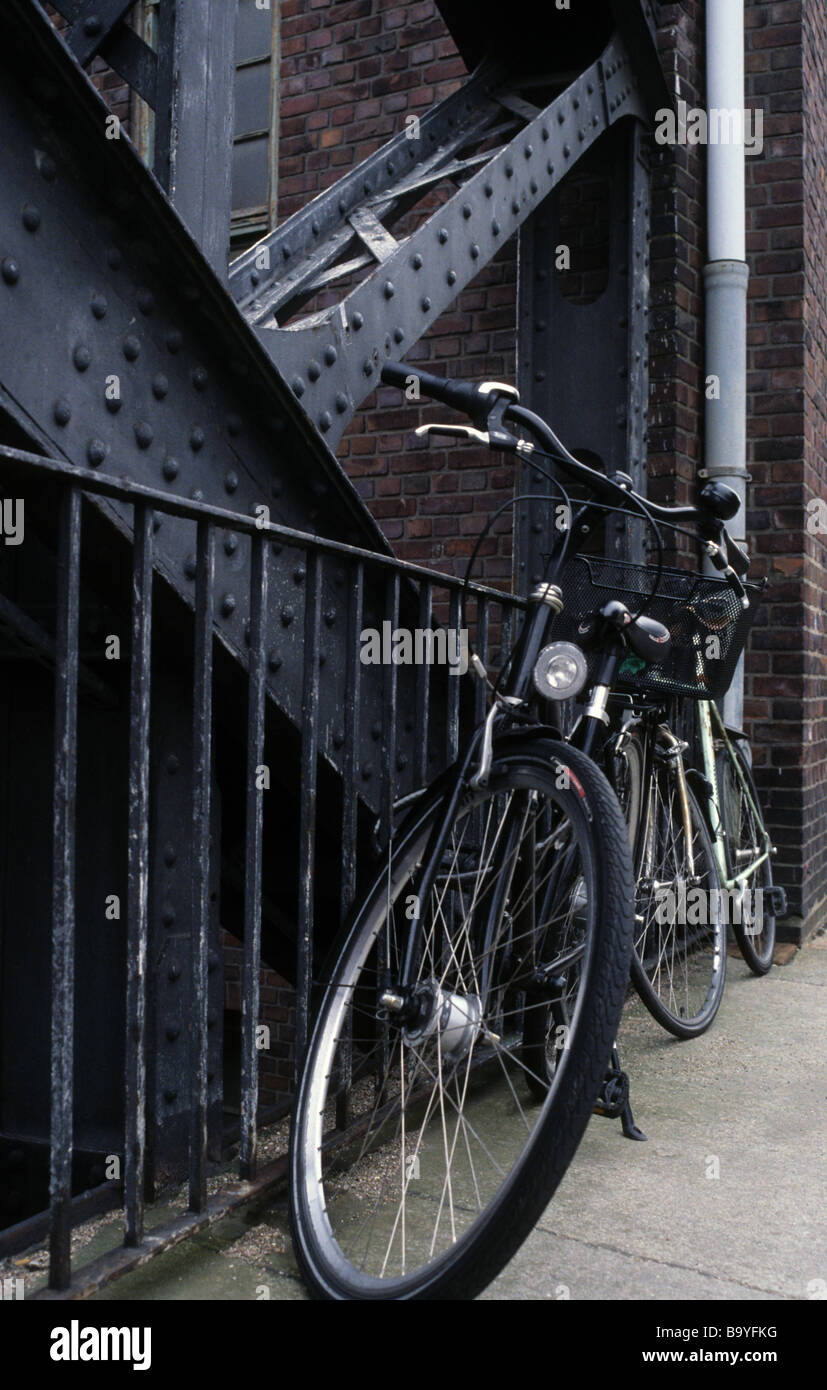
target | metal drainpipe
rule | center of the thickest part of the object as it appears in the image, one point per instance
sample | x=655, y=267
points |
x=725, y=282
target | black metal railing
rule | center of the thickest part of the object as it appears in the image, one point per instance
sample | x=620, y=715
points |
x=419, y=712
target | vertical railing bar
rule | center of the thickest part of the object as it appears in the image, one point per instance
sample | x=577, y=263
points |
x=251, y=966
x=138, y=875
x=307, y=815
x=63, y=888
x=350, y=808
x=391, y=685
x=423, y=691
x=481, y=648
x=201, y=789
x=506, y=630
x=455, y=622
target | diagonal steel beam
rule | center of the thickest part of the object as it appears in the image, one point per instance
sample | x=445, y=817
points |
x=91, y=24
x=332, y=361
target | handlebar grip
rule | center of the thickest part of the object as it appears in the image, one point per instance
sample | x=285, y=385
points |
x=458, y=395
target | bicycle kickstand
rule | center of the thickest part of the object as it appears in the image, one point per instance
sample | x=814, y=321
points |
x=613, y=1100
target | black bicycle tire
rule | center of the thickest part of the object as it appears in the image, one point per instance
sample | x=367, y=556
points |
x=681, y=1028
x=500, y=1231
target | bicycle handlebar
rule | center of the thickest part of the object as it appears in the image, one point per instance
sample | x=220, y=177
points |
x=477, y=403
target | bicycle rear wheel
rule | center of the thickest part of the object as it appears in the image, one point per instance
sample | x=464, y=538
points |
x=443, y=1159
x=745, y=840
x=679, y=956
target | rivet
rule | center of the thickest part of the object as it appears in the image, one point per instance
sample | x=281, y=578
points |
x=168, y=915
x=416, y=261
x=338, y=738
x=212, y=961
x=576, y=103
x=96, y=452
x=197, y=437
x=297, y=386
x=143, y=434
x=325, y=421
x=314, y=371
x=466, y=210
x=442, y=236
x=227, y=605
x=376, y=731
x=509, y=170
x=254, y=278
x=114, y=259
x=200, y=379
x=98, y=305
x=330, y=616
x=170, y=469
x=31, y=217
x=286, y=252
x=233, y=425
x=146, y=301
x=357, y=320
x=174, y=340
x=190, y=567
x=287, y=616
x=341, y=403
x=566, y=151
x=92, y=26
x=367, y=367
x=160, y=386
x=173, y=764
x=425, y=304
x=170, y=1095
x=475, y=251
x=402, y=762
x=10, y=271
x=322, y=658
x=533, y=185
x=170, y=855
x=174, y=973
x=274, y=661
x=550, y=167
x=314, y=226
x=528, y=151
x=231, y=481
x=488, y=190
x=113, y=404
x=495, y=227
x=451, y=277
x=131, y=348
x=329, y=356
x=173, y=1032
x=398, y=335
x=62, y=412
x=515, y=206
x=230, y=543
x=561, y=116
x=81, y=357
x=367, y=771
x=47, y=167
x=545, y=132
x=299, y=574
x=388, y=289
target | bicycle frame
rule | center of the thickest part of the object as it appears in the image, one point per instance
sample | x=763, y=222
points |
x=712, y=734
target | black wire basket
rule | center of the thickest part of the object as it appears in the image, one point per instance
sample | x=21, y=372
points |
x=708, y=625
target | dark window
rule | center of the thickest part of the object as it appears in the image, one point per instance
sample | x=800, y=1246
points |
x=255, y=143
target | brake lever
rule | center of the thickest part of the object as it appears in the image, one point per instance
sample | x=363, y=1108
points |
x=720, y=560
x=453, y=432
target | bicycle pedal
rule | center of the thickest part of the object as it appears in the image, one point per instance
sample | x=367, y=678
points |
x=775, y=898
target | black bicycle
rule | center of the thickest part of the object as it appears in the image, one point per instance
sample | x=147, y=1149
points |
x=468, y=1023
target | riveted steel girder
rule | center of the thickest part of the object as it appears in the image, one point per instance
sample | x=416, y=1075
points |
x=333, y=359
x=119, y=349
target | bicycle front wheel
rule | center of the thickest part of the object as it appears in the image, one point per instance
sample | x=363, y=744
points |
x=679, y=957
x=421, y=1155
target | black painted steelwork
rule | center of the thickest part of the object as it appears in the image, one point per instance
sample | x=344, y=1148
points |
x=398, y=582
x=146, y=367
x=332, y=358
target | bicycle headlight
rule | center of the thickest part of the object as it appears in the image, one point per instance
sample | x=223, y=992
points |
x=560, y=671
